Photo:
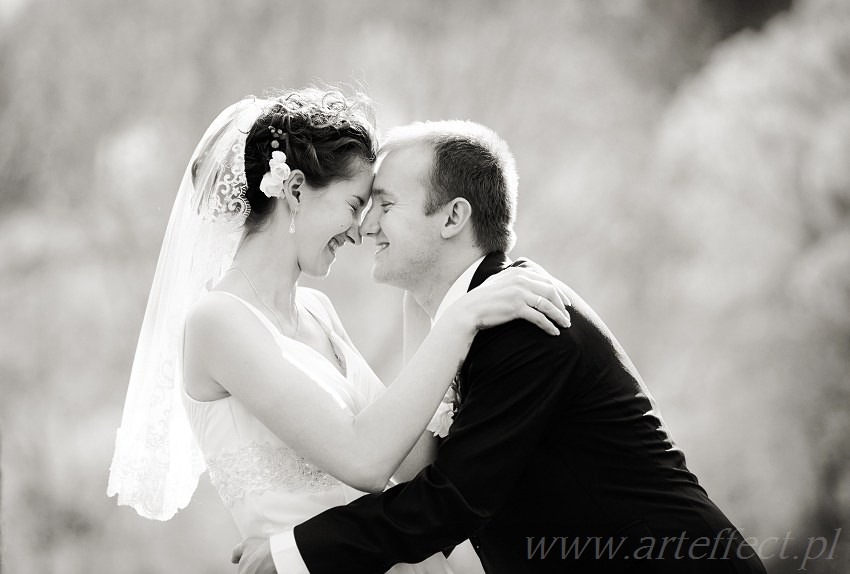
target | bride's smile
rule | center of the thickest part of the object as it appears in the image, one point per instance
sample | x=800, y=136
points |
x=328, y=218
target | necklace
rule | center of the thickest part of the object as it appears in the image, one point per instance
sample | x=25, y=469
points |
x=339, y=360
x=260, y=299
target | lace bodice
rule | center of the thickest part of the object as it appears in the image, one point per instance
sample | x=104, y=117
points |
x=258, y=467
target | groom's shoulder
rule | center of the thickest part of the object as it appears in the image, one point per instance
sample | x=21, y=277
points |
x=521, y=339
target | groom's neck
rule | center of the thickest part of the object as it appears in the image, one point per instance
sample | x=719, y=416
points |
x=432, y=288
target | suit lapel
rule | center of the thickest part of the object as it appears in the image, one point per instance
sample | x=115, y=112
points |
x=492, y=264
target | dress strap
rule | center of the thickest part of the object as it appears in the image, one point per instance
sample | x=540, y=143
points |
x=318, y=311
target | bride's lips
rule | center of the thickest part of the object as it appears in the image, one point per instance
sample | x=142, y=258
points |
x=334, y=244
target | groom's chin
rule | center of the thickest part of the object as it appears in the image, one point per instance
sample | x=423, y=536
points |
x=383, y=276
x=377, y=275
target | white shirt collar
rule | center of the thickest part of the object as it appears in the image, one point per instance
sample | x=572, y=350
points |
x=458, y=289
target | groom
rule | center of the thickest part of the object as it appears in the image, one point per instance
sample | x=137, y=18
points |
x=558, y=459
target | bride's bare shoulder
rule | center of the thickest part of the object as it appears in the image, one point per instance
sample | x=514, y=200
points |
x=213, y=306
x=219, y=328
x=209, y=326
x=218, y=318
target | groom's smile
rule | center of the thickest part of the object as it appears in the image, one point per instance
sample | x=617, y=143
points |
x=397, y=218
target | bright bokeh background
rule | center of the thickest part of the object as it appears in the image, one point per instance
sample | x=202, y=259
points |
x=685, y=165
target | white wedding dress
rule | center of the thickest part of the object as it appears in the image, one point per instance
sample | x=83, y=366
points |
x=264, y=483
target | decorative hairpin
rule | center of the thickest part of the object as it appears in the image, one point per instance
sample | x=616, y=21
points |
x=276, y=133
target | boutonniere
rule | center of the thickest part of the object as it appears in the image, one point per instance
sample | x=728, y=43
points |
x=444, y=417
x=454, y=389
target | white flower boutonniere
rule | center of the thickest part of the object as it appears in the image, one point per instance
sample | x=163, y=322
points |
x=444, y=417
x=272, y=182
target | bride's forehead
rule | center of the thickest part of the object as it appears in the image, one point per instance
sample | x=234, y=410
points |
x=364, y=184
x=359, y=185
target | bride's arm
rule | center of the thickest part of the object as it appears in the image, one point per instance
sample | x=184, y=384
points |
x=417, y=325
x=363, y=451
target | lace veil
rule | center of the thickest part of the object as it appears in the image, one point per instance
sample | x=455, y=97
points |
x=157, y=463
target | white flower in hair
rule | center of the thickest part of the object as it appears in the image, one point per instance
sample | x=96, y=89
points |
x=272, y=182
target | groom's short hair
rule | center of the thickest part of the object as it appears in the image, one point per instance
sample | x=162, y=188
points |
x=469, y=161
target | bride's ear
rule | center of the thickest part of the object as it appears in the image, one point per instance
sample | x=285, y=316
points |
x=292, y=189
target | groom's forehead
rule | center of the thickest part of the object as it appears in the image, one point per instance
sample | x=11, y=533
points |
x=405, y=161
x=401, y=173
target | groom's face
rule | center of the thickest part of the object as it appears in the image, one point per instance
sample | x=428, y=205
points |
x=407, y=240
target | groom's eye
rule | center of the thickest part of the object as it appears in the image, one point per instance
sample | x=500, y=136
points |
x=385, y=205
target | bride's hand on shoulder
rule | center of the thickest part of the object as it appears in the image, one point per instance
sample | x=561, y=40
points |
x=526, y=263
x=515, y=293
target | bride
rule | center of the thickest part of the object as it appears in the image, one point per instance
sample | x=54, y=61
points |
x=277, y=403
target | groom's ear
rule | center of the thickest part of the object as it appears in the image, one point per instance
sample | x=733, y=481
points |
x=457, y=213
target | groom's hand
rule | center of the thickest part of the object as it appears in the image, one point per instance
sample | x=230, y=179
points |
x=254, y=556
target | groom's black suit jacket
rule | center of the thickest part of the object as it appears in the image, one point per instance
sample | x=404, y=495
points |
x=557, y=449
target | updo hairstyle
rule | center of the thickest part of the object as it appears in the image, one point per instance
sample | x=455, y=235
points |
x=327, y=135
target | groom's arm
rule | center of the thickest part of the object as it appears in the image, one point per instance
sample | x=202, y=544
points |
x=514, y=371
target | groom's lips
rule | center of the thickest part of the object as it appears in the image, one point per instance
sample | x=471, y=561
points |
x=381, y=246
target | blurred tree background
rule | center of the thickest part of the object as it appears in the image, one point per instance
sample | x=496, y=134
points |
x=684, y=164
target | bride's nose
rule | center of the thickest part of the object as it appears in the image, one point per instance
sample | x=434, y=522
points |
x=353, y=234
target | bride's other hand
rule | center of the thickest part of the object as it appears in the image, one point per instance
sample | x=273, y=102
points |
x=515, y=293
x=253, y=556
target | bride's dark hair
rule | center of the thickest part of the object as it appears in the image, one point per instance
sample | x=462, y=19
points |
x=328, y=135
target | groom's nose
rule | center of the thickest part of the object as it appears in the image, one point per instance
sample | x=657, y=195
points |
x=371, y=225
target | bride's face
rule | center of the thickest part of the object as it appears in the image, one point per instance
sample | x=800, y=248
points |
x=327, y=219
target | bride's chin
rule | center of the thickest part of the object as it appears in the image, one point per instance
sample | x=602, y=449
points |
x=319, y=271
